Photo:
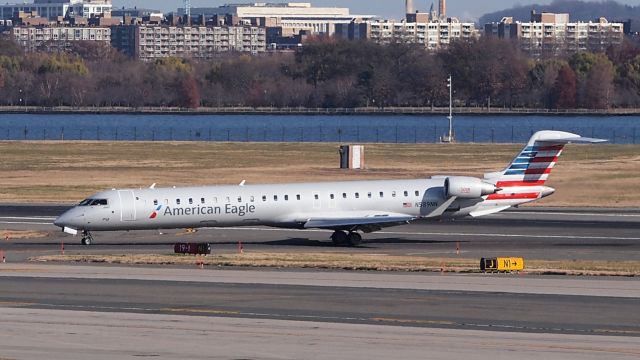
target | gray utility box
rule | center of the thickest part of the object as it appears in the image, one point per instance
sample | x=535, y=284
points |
x=351, y=157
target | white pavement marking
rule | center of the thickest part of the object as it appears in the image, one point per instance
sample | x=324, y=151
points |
x=605, y=287
x=40, y=218
x=564, y=214
x=25, y=222
x=445, y=234
x=64, y=334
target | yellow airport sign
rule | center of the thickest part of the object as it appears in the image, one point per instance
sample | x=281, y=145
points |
x=502, y=264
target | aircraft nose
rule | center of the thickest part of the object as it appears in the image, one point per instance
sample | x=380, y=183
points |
x=68, y=219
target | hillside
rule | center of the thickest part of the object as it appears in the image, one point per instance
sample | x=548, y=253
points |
x=579, y=10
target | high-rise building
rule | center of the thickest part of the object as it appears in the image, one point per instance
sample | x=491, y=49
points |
x=432, y=34
x=442, y=11
x=549, y=34
x=410, y=7
x=149, y=42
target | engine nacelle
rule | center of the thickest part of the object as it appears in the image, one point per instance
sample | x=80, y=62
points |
x=467, y=187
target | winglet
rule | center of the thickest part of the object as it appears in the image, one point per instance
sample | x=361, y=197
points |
x=153, y=186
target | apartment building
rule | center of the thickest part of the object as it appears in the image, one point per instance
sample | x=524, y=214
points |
x=550, y=34
x=148, y=42
x=433, y=35
x=58, y=38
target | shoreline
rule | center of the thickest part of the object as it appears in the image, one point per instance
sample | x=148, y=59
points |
x=471, y=111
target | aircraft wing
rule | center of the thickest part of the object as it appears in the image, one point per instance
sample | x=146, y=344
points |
x=358, y=220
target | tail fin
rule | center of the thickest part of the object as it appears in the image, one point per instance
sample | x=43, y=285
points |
x=534, y=163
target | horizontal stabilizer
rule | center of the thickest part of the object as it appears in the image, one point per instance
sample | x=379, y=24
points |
x=488, y=211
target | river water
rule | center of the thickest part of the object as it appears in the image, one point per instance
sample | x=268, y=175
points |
x=305, y=128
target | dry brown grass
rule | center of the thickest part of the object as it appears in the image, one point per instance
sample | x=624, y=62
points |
x=353, y=262
x=69, y=171
x=22, y=234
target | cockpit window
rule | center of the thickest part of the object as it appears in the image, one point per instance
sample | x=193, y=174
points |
x=85, y=202
x=94, y=202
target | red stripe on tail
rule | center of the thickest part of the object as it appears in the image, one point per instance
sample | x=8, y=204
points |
x=506, y=184
x=513, y=196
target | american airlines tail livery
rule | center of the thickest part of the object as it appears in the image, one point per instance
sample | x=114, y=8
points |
x=348, y=208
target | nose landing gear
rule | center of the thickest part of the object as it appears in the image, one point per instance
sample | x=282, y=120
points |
x=87, y=239
x=340, y=238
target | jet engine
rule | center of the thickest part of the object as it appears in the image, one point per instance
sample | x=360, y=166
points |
x=467, y=187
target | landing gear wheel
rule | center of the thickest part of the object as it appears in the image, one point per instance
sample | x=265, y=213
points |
x=339, y=238
x=86, y=238
x=354, y=239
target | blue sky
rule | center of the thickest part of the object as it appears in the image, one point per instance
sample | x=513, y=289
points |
x=466, y=9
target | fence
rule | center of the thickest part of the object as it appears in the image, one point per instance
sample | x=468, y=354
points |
x=360, y=134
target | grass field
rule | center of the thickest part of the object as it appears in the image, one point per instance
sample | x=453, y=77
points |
x=337, y=261
x=600, y=175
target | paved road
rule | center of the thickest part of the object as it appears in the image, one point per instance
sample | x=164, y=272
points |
x=505, y=303
x=70, y=335
x=77, y=312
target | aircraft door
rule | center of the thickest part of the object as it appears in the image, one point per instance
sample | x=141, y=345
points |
x=127, y=205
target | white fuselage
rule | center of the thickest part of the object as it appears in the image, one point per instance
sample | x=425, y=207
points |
x=279, y=205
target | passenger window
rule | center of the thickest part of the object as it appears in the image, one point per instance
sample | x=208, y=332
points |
x=177, y=201
x=275, y=197
x=227, y=199
x=406, y=193
x=357, y=195
x=286, y=198
x=215, y=199
x=316, y=196
x=381, y=194
x=155, y=202
x=332, y=196
x=393, y=194
x=190, y=201
x=202, y=201
x=166, y=201
x=239, y=199
x=369, y=195
x=417, y=193
x=252, y=199
x=298, y=197
x=264, y=197
x=344, y=195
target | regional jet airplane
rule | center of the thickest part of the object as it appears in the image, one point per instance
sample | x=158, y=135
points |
x=347, y=208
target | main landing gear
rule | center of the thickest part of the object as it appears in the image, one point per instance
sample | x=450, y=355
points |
x=340, y=238
x=87, y=239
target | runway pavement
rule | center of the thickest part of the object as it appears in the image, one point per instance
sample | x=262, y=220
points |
x=78, y=312
x=533, y=233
